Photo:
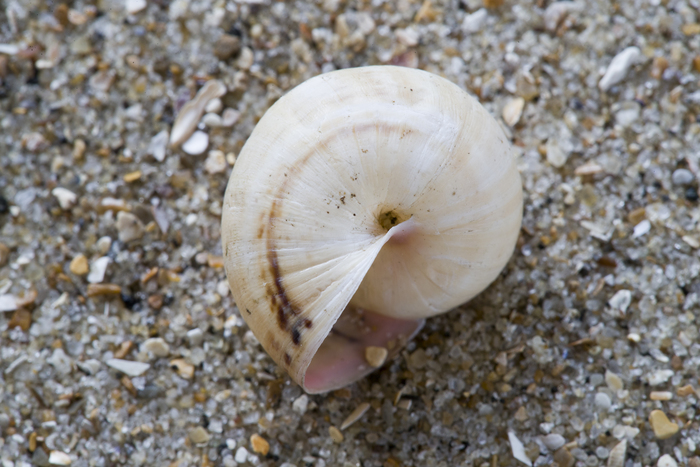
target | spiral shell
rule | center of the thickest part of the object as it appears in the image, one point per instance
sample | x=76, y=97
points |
x=364, y=201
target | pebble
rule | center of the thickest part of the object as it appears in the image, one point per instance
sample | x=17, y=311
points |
x=59, y=458
x=61, y=362
x=682, y=177
x=641, y=229
x=613, y=381
x=300, y=404
x=158, y=145
x=66, y=198
x=227, y=46
x=564, y=458
x=98, y=268
x=555, y=154
x=619, y=66
x=128, y=367
x=335, y=434
x=215, y=162
x=621, y=300
x=554, y=441
x=196, y=144
x=661, y=395
x=376, y=356
x=518, y=449
x=90, y=366
x=184, y=369
x=602, y=401
x=134, y=6
x=129, y=227
x=259, y=444
x=103, y=245
x=8, y=302
x=241, y=455
x=685, y=391
x=662, y=426
x=190, y=114
x=79, y=265
x=214, y=106
x=156, y=346
x=666, y=461
x=212, y=120
x=513, y=110
x=230, y=117
x=199, y=435
x=195, y=336
x=589, y=168
x=659, y=377
x=474, y=22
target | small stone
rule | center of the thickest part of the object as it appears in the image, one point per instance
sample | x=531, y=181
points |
x=90, y=367
x=61, y=362
x=66, y=198
x=613, y=381
x=300, y=404
x=199, y=435
x=602, y=401
x=408, y=37
x=621, y=300
x=103, y=245
x=518, y=449
x=155, y=301
x=216, y=162
x=230, y=117
x=59, y=458
x=641, y=229
x=659, y=377
x=474, y=22
x=134, y=6
x=259, y=444
x=241, y=455
x=21, y=318
x=195, y=336
x=129, y=227
x=376, y=356
x=564, y=458
x=335, y=434
x=98, y=268
x=8, y=302
x=521, y=414
x=158, y=145
x=555, y=154
x=513, y=110
x=79, y=265
x=662, y=426
x=661, y=395
x=227, y=46
x=555, y=14
x=666, y=461
x=589, y=168
x=682, y=177
x=4, y=254
x=686, y=390
x=619, y=66
x=132, y=176
x=129, y=368
x=214, y=106
x=554, y=441
x=184, y=369
x=196, y=144
x=77, y=18
x=156, y=346
x=212, y=120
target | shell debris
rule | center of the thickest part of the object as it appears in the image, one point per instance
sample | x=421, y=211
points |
x=355, y=415
x=518, y=449
x=616, y=458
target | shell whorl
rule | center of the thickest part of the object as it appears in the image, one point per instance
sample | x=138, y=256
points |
x=386, y=188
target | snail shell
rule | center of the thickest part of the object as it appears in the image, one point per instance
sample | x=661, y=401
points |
x=364, y=201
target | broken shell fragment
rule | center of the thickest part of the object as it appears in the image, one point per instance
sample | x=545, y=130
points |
x=364, y=201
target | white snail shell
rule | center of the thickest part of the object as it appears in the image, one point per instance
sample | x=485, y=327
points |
x=385, y=192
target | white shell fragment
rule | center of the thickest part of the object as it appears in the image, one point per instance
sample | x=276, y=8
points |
x=158, y=145
x=134, y=6
x=513, y=110
x=189, y=115
x=474, y=22
x=364, y=201
x=641, y=229
x=129, y=368
x=8, y=302
x=616, y=458
x=66, y=198
x=59, y=458
x=196, y=144
x=518, y=449
x=619, y=66
x=98, y=269
x=621, y=300
x=666, y=461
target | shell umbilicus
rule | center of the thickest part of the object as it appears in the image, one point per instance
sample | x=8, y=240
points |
x=364, y=201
